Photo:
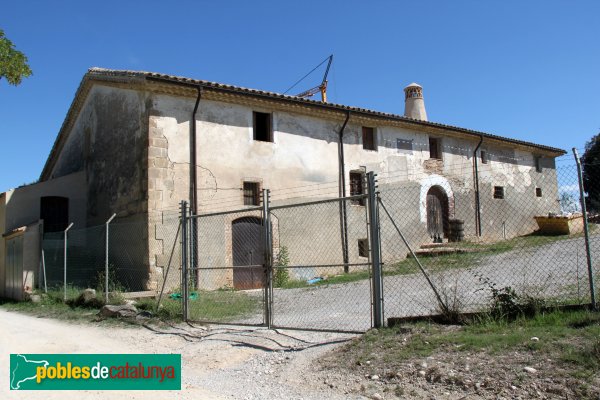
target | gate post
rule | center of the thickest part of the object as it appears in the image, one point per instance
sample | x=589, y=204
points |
x=184, y=261
x=588, y=254
x=375, y=247
x=106, y=258
x=268, y=251
x=66, y=232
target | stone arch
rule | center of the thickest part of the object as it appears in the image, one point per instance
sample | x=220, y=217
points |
x=438, y=225
x=426, y=184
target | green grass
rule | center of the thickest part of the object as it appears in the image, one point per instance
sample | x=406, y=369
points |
x=216, y=306
x=571, y=338
x=213, y=306
x=331, y=280
x=475, y=253
x=53, y=306
x=567, y=355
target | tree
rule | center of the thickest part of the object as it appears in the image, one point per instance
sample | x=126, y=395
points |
x=568, y=203
x=591, y=173
x=13, y=63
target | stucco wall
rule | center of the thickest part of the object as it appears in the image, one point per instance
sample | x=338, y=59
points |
x=107, y=144
x=23, y=204
x=21, y=207
x=304, y=154
x=108, y=141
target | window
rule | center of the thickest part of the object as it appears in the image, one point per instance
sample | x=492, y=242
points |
x=484, y=157
x=498, y=192
x=262, y=127
x=369, y=142
x=251, y=194
x=54, y=210
x=356, y=187
x=538, y=164
x=403, y=144
x=363, y=248
x=434, y=148
x=538, y=192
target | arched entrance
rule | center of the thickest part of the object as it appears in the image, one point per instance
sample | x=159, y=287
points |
x=437, y=213
x=248, y=250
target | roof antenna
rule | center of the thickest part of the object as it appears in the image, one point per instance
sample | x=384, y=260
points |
x=320, y=88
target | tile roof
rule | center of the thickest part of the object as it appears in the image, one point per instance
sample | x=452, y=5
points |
x=272, y=95
x=180, y=80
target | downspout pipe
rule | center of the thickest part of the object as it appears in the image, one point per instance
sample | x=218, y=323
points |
x=193, y=156
x=477, y=198
x=194, y=187
x=342, y=193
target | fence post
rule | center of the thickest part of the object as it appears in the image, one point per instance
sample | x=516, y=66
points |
x=375, y=251
x=65, y=262
x=44, y=270
x=268, y=258
x=106, y=260
x=585, y=230
x=184, y=249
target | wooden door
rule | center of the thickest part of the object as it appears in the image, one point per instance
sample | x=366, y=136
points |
x=437, y=213
x=248, y=248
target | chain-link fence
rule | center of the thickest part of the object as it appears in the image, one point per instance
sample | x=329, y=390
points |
x=226, y=277
x=506, y=242
x=447, y=238
x=321, y=265
x=116, y=258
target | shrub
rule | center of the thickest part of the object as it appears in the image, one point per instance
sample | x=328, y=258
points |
x=507, y=304
x=281, y=275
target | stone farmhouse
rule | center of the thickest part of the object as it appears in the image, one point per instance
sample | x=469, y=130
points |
x=137, y=143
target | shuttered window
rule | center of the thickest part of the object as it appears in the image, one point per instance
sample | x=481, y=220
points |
x=251, y=194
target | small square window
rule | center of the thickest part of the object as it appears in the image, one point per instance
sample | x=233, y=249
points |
x=434, y=148
x=498, y=192
x=363, y=248
x=262, y=127
x=369, y=140
x=356, y=187
x=251, y=194
x=484, y=157
x=538, y=192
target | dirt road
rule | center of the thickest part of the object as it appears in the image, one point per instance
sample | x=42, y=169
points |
x=217, y=363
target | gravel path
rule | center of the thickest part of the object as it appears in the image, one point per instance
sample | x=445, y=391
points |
x=217, y=362
x=555, y=270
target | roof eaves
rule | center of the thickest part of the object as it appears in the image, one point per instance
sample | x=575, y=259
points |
x=340, y=107
x=94, y=73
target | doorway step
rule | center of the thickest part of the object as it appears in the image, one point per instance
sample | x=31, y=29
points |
x=440, y=249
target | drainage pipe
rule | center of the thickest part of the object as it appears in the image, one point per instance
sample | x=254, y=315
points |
x=477, y=198
x=194, y=187
x=342, y=193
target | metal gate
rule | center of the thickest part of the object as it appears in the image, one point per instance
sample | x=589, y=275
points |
x=305, y=265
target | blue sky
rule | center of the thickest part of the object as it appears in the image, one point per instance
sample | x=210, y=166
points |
x=524, y=69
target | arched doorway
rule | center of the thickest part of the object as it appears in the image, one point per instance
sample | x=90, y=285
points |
x=437, y=213
x=248, y=250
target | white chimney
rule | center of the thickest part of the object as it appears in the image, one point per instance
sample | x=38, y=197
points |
x=414, y=106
